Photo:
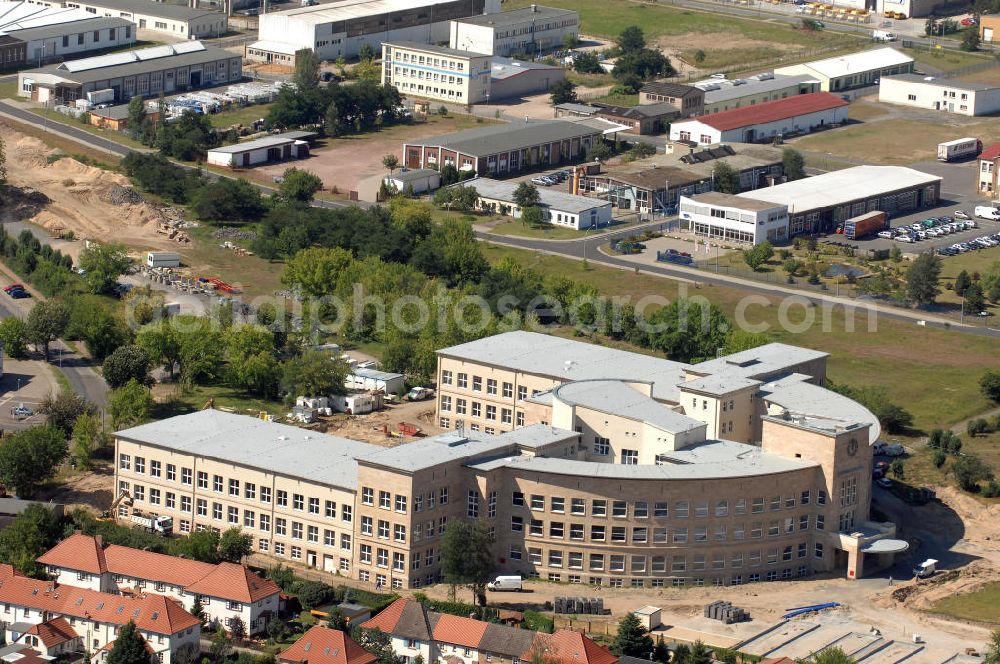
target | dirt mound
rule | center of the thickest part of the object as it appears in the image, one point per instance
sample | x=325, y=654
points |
x=90, y=201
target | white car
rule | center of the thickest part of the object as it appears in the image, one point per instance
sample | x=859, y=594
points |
x=886, y=234
x=903, y=238
x=959, y=214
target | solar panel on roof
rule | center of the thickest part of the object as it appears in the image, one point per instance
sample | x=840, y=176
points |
x=188, y=47
x=306, y=647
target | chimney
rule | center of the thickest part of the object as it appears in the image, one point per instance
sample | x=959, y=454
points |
x=100, y=541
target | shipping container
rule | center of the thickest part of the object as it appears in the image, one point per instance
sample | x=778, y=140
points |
x=866, y=224
x=960, y=148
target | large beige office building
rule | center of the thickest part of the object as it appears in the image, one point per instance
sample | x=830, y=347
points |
x=425, y=71
x=591, y=465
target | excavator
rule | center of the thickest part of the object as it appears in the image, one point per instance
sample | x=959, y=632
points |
x=109, y=514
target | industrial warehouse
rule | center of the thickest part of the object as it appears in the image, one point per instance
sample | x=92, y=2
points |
x=168, y=20
x=339, y=29
x=144, y=72
x=545, y=449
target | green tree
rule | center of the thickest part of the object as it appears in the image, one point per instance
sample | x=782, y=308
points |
x=976, y=427
x=237, y=629
x=962, y=283
x=229, y=200
x=316, y=270
x=895, y=254
x=632, y=639
x=700, y=654
x=63, y=409
x=938, y=458
x=892, y=417
x=28, y=536
x=970, y=39
x=299, y=186
x=631, y=40
x=162, y=342
x=136, y=117
x=3, y=164
x=467, y=556
x=29, y=458
x=390, y=162
x=699, y=57
x=792, y=266
x=333, y=124
x=197, y=608
x=130, y=404
x=314, y=594
x=377, y=643
x=974, y=301
x=87, y=438
x=794, y=164
x=992, y=654
x=569, y=41
x=526, y=195
x=587, y=62
x=127, y=363
x=661, y=653
x=314, y=374
x=14, y=336
x=533, y=217
x=366, y=52
x=562, y=92
x=989, y=385
x=725, y=179
x=922, y=279
x=202, y=545
x=222, y=645
x=129, y=647
x=758, y=255
x=969, y=470
x=687, y=330
x=896, y=469
x=46, y=323
x=306, y=75
x=234, y=546
x=831, y=656
x=740, y=340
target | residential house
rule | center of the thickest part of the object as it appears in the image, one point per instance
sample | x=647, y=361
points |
x=989, y=164
x=324, y=645
x=227, y=590
x=51, y=638
x=685, y=99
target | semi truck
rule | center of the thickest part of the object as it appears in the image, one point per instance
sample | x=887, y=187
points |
x=960, y=148
x=164, y=525
x=866, y=224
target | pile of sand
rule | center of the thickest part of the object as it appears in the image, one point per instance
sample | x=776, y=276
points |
x=78, y=194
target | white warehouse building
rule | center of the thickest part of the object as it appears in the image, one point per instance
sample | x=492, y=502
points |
x=533, y=29
x=289, y=145
x=558, y=208
x=734, y=218
x=335, y=30
x=51, y=33
x=940, y=94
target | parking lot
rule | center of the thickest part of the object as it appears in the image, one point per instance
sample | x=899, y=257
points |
x=25, y=383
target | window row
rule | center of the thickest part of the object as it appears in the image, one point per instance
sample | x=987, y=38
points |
x=661, y=535
x=681, y=509
x=680, y=581
x=398, y=503
x=475, y=409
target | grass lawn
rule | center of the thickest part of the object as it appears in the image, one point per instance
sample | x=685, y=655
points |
x=8, y=90
x=920, y=471
x=243, y=115
x=548, y=232
x=115, y=136
x=717, y=58
x=934, y=374
x=864, y=111
x=589, y=80
x=616, y=100
x=883, y=142
x=945, y=59
x=983, y=605
x=257, y=276
x=172, y=400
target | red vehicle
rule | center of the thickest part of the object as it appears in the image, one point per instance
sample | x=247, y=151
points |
x=869, y=223
x=968, y=21
x=8, y=289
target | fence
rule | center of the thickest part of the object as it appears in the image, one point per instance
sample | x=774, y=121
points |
x=594, y=627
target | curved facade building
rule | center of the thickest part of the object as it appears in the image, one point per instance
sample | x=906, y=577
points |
x=591, y=465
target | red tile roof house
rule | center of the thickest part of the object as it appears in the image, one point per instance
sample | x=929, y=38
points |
x=51, y=638
x=763, y=122
x=416, y=630
x=323, y=645
x=226, y=590
x=95, y=617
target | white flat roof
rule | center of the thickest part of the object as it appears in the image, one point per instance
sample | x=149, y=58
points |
x=342, y=11
x=275, y=47
x=845, y=65
x=21, y=16
x=839, y=187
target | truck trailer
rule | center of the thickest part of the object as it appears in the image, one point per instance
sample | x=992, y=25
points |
x=164, y=525
x=960, y=148
x=866, y=224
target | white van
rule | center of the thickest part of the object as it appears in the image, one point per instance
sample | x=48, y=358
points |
x=505, y=583
x=882, y=35
x=925, y=569
x=987, y=212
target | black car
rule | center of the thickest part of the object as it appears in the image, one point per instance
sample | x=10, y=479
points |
x=19, y=294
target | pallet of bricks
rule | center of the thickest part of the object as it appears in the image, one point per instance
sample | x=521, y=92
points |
x=726, y=612
x=579, y=605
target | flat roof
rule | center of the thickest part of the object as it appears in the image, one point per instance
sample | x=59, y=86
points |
x=839, y=187
x=668, y=89
x=575, y=107
x=162, y=9
x=617, y=397
x=759, y=361
x=940, y=82
x=566, y=359
x=504, y=68
x=275, y=47
x=251, y=442
x=718, y=384
x=504, y=190
x=484, y=141
x=732, y=200
x=820, y=407
x=433, y=48
x=257, y=144
x=348, y=9
x=722, y=90
x=119, y=112
x=84, y=24
x=711, y=459
x=516, y=16
x=845, y=65
x=28, y=21
x=412, y=174
x=374, y=374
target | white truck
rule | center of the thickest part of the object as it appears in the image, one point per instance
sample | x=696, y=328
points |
x=164, y=525
x=505, y=583
x=883, y=36
x=987, y=212
x=925, y=569
x=960, y=148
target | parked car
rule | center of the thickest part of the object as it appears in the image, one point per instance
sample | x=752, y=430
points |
x=968, y=21
x=886, y=234
x=21, y=411
x=884, y=482
x=894, y=450
x=8, y=289
x=961, y=214
x=903, y=238
x=19, y=294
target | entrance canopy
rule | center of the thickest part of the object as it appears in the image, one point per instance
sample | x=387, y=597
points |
x=886, y=546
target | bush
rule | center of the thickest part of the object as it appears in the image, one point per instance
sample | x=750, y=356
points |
x=939, y=458
x=538, y=622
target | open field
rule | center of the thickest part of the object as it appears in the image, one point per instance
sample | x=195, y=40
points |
x=863, y=110
x=980, y=605
x=8, y=90
x=590, y=80
x=549, y=232
x=920, y=470
x=243, y=115
x=256, y=276
x=933, y=373
x=945, y=59
x=989, y=76
x=880, y=142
